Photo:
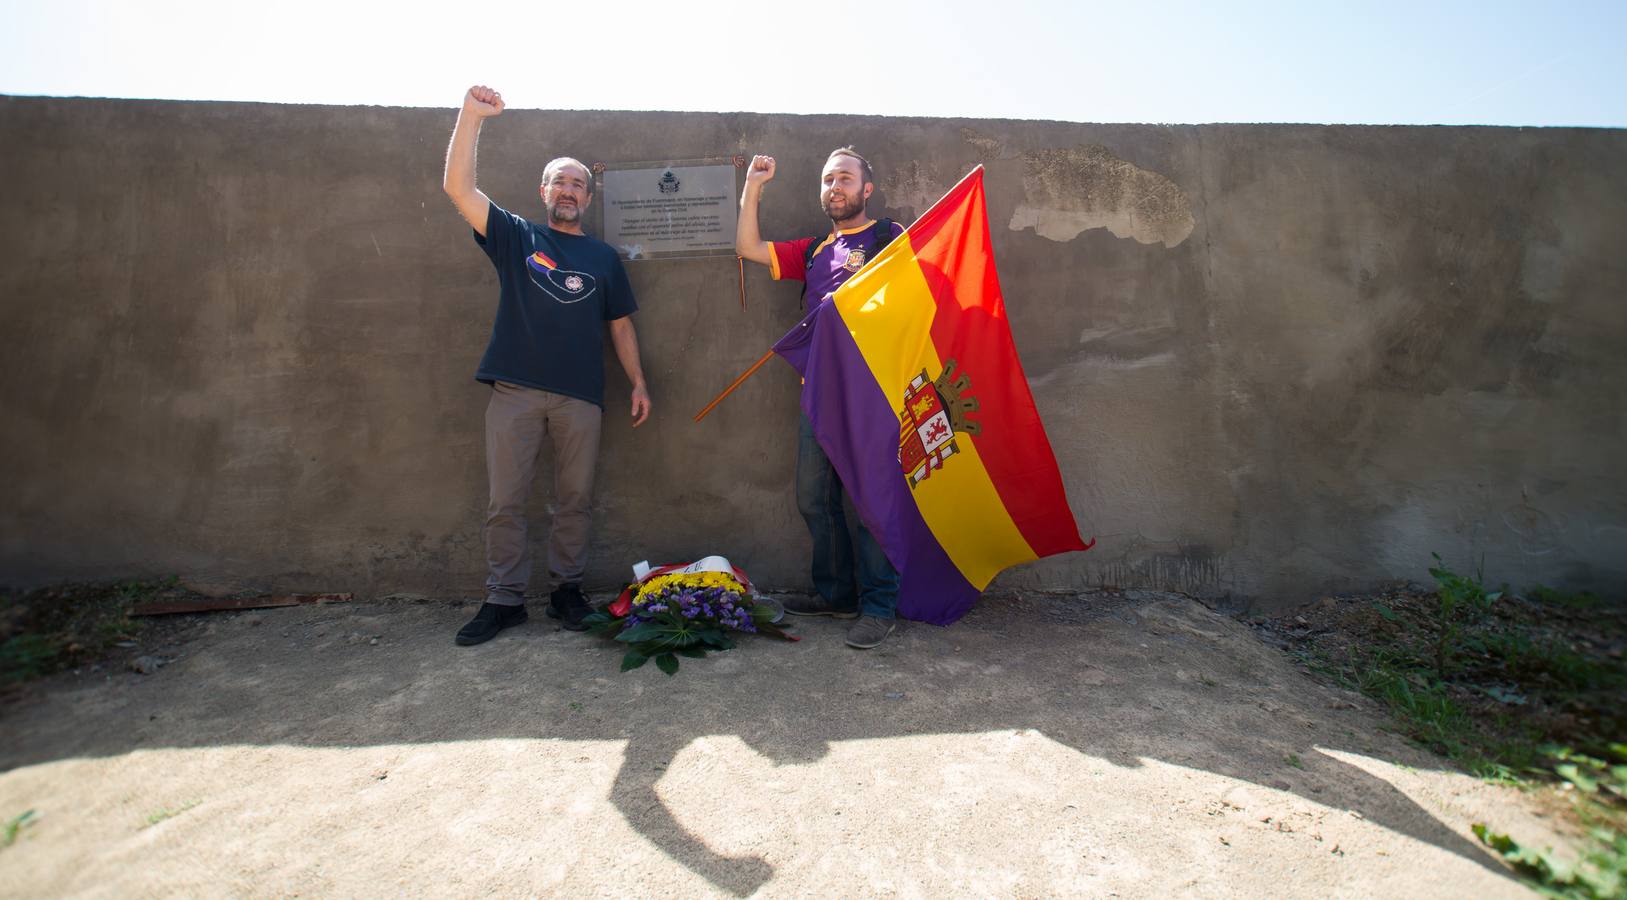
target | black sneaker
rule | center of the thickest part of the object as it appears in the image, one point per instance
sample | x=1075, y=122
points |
x=568, y=605
x=490, y=619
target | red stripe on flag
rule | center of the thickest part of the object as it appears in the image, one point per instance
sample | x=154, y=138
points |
x=952, y=247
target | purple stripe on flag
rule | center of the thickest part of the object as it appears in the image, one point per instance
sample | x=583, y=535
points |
x=859, y=431
x=793, y=348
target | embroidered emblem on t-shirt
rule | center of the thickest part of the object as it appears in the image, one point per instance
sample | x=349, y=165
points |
x=573, y=283
x=855, y=260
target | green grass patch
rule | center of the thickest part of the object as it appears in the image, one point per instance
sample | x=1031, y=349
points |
x=1486, y=678
x=153, y=818
x=14, y=827
x=27, y=656
x=1518, y=689
x=1576, y=600
x=56, y=628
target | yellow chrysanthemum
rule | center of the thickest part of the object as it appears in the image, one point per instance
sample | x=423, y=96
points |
x=693, y=580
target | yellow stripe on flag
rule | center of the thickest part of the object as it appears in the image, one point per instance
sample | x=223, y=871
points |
x=889, y=308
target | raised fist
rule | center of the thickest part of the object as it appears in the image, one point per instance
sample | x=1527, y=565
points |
x=760, y=170
x=482, y=101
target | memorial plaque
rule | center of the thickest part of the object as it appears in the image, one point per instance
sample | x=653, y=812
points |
x=654, y=211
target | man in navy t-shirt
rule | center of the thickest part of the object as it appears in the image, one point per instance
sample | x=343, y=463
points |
x=557, y=290
x=845, y=555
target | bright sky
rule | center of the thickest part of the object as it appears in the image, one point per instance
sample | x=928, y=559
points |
x=1179, y=61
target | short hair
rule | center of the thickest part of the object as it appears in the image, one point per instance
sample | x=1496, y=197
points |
x=555, y=165
x=864, y=164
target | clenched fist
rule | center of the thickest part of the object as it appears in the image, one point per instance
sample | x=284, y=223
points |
x=482, y=101
x=761, y=170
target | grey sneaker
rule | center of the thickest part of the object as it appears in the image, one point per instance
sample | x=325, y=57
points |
x=816, y=606
x=869, y=631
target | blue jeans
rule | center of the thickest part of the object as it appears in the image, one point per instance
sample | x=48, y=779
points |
x=819, y=499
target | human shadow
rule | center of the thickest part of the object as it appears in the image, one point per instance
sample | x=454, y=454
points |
x=1104, y=676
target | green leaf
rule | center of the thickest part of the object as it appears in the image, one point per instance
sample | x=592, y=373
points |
x=692, y=652
x=1388, y=613
x=667, y=663
x=1574, y=775
x=632, y=660
x=606, y=628
x=775, y=631
x=15, y=827
x=646, y=632
x=648, y=648
x=716, y=639
x=1502, y=843
x=684, y=638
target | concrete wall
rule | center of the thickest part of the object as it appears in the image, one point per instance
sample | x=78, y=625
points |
x=1274, y=360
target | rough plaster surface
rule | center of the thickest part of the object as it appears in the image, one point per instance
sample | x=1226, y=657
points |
x=241, y=338
x=1097, y=745
x=1071, y=190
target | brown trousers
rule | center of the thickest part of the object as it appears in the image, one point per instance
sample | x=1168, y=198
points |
x=517, y=420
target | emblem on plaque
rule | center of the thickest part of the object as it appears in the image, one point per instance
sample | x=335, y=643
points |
x=668, y=183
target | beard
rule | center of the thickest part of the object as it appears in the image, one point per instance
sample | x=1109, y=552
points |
x=848, y=208
x=558, y=212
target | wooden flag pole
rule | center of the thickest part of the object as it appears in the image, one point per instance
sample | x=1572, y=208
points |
x=730, y=389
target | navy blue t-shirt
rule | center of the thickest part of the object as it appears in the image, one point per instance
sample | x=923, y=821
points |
x=556, y=291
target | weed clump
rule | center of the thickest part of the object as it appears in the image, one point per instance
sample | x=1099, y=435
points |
x=1486, y=678
x=1519, y=689
x=56, y=628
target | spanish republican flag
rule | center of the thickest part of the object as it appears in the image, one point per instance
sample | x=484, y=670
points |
x=913, y=386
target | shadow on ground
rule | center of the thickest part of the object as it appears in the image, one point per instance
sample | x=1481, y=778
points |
x=1126, y=679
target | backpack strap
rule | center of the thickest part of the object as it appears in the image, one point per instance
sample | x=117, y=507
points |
x=884, y=235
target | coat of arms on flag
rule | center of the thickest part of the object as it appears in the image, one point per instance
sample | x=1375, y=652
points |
x=934, y=413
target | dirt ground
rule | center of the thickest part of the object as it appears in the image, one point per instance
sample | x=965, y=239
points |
x=1100, y=744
